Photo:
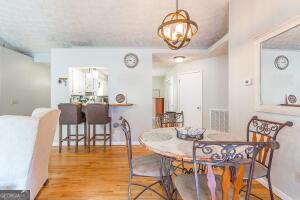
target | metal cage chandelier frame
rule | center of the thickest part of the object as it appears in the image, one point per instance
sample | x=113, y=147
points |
x=177, y=29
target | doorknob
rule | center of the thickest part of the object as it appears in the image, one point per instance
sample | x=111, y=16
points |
x=198, y=107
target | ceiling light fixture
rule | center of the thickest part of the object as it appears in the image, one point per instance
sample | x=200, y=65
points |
x=177, y=29
x=179, y=59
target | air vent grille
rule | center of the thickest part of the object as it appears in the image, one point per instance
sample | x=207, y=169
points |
x=219, y=120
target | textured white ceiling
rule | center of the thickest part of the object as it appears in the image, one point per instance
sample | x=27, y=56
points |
x=35, y=26
x=286, y=40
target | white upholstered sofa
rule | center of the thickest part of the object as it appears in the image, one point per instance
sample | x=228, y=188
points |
x=25, y=143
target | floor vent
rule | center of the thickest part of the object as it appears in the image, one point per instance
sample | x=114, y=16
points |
x=219, y=119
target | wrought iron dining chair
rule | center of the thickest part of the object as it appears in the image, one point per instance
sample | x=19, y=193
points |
x=233, y=157
x=263, y=130
x=171, y=119
x=143, y=166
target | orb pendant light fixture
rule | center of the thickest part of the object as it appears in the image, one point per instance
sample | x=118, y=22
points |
x=177, y=29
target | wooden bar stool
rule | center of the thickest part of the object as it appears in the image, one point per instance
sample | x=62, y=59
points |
x=97, y=114
x=71, y=114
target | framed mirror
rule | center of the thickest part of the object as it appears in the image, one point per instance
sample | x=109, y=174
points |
x=278, y=70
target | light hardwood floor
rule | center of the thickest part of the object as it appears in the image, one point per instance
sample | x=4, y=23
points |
x=97, y=175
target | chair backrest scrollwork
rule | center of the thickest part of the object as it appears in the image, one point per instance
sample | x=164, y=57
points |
x=260, y=130
x=171, y=119
x=230, y=156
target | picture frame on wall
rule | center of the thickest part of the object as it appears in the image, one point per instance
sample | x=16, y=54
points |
x=120, y=98
x=155, y=93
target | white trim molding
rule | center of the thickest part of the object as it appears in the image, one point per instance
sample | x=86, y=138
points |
x=260, y=107
x=219, y=43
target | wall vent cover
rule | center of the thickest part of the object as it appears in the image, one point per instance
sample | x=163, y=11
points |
x=219, y=119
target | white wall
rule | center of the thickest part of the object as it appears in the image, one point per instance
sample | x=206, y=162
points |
x=275, y=83
x=136, y=82
x=158, y=83
x=24, y=85
x=215, y=83
x=248, y=19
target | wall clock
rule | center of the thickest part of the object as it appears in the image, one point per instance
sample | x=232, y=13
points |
x=281, y=62
x=131, y=60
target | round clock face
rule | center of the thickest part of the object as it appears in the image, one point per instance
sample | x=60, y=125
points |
x=131, y=60
x=120, y=98
x=281, y=62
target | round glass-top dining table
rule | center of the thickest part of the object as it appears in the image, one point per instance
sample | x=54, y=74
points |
x=164, y=142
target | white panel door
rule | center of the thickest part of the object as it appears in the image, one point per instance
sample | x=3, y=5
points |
x=190, y=98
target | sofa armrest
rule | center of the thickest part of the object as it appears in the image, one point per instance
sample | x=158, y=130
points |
x=17, y=141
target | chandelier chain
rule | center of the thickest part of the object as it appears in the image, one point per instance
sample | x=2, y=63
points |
x=176, y=5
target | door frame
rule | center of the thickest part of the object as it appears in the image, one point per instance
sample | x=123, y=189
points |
x=178, y=90
x=169, y=81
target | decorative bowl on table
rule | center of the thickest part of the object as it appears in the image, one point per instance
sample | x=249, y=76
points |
x=189, y=133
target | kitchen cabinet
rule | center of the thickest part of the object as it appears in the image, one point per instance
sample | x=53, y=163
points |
x=88, y=81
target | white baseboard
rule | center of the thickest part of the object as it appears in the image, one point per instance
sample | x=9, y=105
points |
x=276, y=191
